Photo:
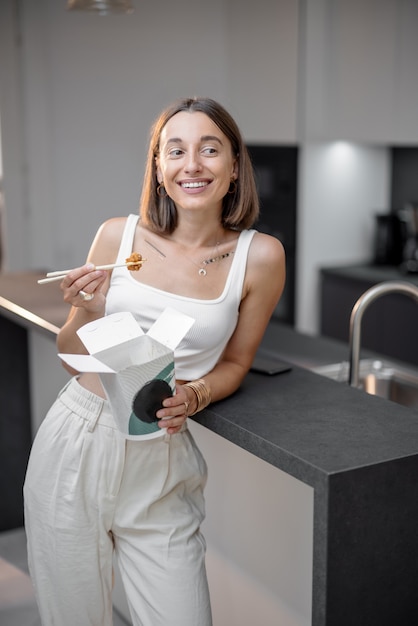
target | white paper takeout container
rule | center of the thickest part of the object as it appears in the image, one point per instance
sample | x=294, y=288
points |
x=126, y=359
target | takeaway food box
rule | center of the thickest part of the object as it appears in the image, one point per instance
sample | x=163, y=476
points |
x=136, y=368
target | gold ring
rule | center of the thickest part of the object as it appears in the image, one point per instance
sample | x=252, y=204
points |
x=86, y=297
x=186, y=410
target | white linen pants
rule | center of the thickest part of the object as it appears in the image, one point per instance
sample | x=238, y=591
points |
x=89, y=491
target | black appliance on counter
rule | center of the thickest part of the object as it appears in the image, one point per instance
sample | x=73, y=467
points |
x=410, y=249
x=389, y=240
x=275, y=170
x=404, y=200
x=396, y=239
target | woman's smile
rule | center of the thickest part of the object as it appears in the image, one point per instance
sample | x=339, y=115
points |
x=194, y=186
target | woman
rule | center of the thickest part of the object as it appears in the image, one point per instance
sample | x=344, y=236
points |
x=90, y=492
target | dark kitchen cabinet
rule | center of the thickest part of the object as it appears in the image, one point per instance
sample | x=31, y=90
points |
x=276, y=174
x=15, y=421
x=390, y=324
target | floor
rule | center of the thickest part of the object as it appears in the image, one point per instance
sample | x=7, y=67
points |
x=17, y=601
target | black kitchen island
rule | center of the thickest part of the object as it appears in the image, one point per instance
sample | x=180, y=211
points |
x=360, y=455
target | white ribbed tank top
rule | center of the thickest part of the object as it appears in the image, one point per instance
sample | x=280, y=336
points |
x=215, y=320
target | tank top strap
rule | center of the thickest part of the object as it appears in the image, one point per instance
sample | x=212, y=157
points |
x=239, y=265
x=127, y=241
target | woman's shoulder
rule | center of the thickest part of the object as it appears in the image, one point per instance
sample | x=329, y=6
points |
x=266, y=248
x=266, y=267
x=111, y=231
x=112, y=228
x=108, y=237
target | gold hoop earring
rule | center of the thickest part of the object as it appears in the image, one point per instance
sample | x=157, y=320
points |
x=161, y=191
x=232, y=186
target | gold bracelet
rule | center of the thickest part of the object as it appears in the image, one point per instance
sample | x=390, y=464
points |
x=202, y=393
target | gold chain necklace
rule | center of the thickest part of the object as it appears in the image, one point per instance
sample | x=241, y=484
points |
x=202, y=271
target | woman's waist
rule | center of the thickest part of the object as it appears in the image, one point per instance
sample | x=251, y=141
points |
x=92, y=382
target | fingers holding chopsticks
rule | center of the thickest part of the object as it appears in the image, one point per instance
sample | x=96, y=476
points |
x=83, y=284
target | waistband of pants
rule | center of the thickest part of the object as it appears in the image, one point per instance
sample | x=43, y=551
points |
x=86, y=404
x=92, y=408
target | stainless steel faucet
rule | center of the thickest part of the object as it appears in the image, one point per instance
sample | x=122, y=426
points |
x=360, y=307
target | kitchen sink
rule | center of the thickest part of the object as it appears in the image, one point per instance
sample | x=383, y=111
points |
x=379, y=378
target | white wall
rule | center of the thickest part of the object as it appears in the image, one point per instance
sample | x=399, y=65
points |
x=359, y=59
x=341, y=187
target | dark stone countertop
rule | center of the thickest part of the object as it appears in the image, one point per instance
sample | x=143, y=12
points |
x=370, y=273
x=312, y=427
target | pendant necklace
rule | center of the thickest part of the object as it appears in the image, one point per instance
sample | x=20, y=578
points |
x=219, y=257
x=202, y=271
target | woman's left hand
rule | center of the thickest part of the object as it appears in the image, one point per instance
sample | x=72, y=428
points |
x=175, y=411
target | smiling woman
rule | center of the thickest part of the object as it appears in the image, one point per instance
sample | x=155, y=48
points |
x=143, y=498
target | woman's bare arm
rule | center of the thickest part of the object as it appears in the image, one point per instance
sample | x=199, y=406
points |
x=264, y=283
x=104, y=250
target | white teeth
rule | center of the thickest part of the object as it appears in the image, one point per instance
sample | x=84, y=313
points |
x=191, y=185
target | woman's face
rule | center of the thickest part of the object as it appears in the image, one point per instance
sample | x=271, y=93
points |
x=195, y=161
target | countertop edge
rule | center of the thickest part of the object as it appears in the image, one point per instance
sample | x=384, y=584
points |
x=26, y=318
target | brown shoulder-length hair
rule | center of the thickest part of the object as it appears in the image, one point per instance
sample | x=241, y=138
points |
x=240, y=208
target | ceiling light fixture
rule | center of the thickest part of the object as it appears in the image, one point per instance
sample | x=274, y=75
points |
x=101, y=7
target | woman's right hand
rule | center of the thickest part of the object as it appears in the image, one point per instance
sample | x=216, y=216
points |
x=85, y=280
